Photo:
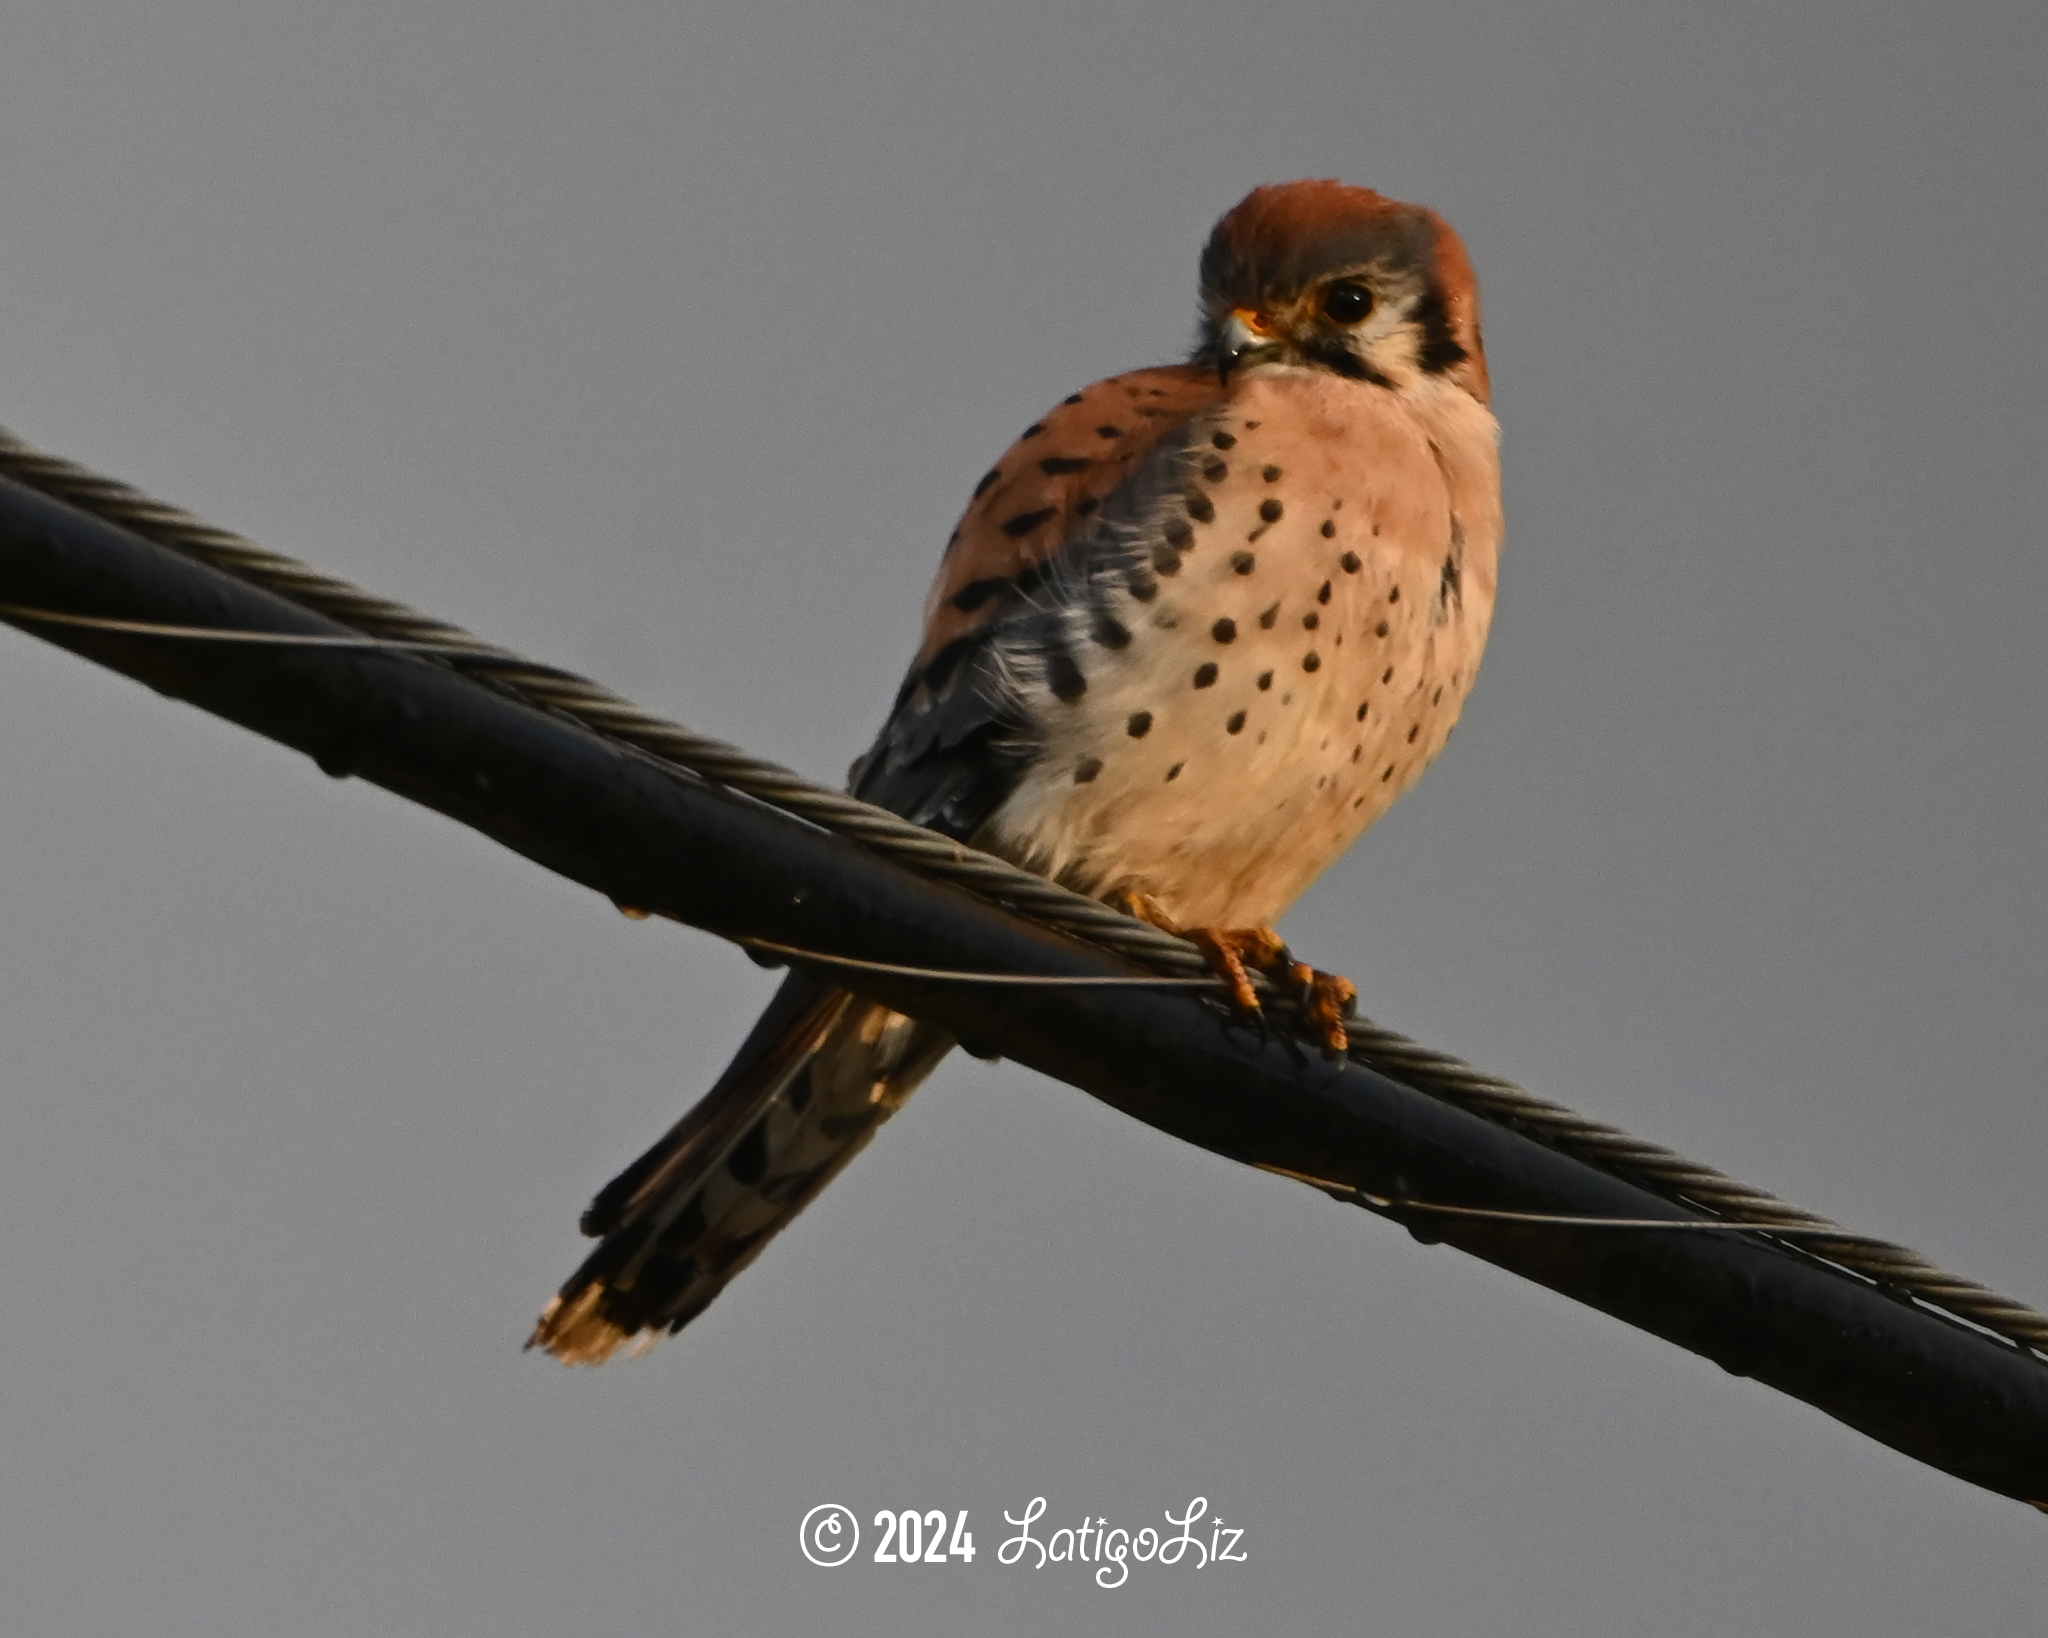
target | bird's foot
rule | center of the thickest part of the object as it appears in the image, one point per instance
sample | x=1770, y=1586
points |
x=1235, y=953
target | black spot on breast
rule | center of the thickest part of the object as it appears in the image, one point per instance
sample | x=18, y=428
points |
x=1086, y=769
x=1330, y=531
x=1311, y=620
x=1380, y=629
x=1393, y=594
x=1173, y=772
x=1058, y=466
x=1205, y=674
x=1271, y=474
x=1267, y=618
x=1024, y=522
x=1165, y=559
x=1141, y=585
x=1357, y=751
x=1215, y=470
x=1201, y=508
x=1437, y=698
x=1223, y=440
x=1311, y=661
x=1064, y=677
x=1243, y=562
x=1032, y=431
x=1452, y=585
x=1389, y=774
x=1363, y=707
x=1139, y=725
x=1111, y=633
x=1323, y=595
x=977, y=592
x=1350, y=563
x=1109, y=432
x=1088, y=505
x=1179, y=533
x=1251, y=426
x=1265, y=681
x=989, y=479
x=1236, y=723
x=1224, y=630
x=1072, y=398
x=1412, y=732
x=1270, y=509
x=1387, y=675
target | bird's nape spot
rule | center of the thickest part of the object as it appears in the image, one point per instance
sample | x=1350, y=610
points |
x=1311, y=661
x=1270, y=509
x=1064, y=677
x=977, y=592
x=1205, y=674
x=1139, y=725
x=1024, y=522
x=1243, y=562
x=1086, y=769
x=1223, y=440
x=1058, y=466
x=1265, y=681
x=1236, y=723
x=1224, y=630
x=989, y=479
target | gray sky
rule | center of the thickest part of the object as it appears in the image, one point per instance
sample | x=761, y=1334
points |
x=666, y=342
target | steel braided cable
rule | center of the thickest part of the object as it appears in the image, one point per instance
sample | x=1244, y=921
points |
x=1608, y=1148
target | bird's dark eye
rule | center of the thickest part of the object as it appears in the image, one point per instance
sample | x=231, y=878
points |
x=1347, y=303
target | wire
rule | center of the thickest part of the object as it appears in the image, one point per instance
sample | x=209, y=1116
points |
x=949, y=975
x=1439, y=1074
x=215, y=634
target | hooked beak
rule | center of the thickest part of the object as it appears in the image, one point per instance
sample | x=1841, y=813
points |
x=1244, y=337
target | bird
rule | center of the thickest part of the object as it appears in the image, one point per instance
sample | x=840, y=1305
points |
x=1196, y=630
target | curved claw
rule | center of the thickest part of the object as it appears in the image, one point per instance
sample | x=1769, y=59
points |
x=1325, y=999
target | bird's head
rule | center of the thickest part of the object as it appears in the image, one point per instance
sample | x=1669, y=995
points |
x=1318, y=275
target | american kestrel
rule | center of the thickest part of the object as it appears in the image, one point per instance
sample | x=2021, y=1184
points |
x=1197, y=630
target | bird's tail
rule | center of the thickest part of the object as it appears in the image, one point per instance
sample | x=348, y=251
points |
x=821, y=1070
